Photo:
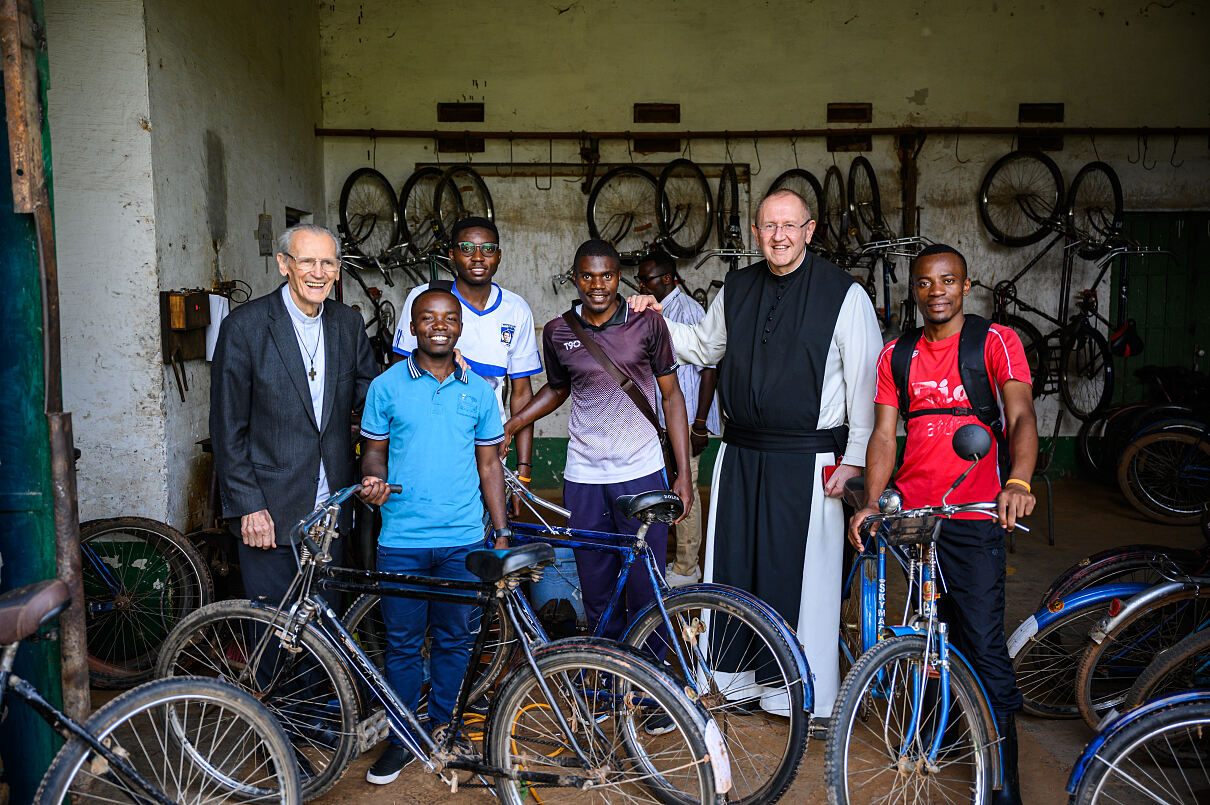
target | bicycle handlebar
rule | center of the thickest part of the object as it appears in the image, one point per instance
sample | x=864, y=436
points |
x=304, y=525
x=988, y=508
x=517, y=488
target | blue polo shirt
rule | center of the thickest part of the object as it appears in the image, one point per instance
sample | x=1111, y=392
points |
x=433, y=428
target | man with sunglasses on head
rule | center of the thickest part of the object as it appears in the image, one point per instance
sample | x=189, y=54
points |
x=657, y=276
x=497, y=340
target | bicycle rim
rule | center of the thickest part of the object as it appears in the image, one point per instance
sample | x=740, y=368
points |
x=865, y=203
x=1037, y=357
x=1085, y=372
x=623, y=209
x=1166, y=476
x=1046, y=665
x=686, y=211
x=417, y=216
x=835, y=211
x=369, y=215
x=1185, y=666
x=460, y=193
x=727, y=222
x=805, y=184
x=1094, y=209
x=1020, y=198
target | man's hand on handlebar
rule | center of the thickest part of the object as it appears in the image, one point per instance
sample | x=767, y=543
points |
x=854, y=532
x=1012, y=503
x=374, y=490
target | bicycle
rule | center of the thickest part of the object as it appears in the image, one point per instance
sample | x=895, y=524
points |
x=1156, y=753
x=164, y=742
x=572, y=715
x=696, y=628
x=912, y=718
x=1164, y=473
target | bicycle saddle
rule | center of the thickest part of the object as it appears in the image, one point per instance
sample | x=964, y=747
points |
x=25, y=609
x=659, y=505
x=495, y=564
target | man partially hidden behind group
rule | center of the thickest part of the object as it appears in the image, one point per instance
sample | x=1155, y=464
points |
x=795, y=340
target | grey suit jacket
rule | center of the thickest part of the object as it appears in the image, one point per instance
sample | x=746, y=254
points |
x=266, y=441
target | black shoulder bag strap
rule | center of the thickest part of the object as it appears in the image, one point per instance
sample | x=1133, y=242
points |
x=630, y=388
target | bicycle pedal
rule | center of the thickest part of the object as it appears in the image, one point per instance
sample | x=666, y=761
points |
x=372, y=731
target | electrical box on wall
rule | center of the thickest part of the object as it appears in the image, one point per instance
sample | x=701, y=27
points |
x=264, y=234
x=184, y=316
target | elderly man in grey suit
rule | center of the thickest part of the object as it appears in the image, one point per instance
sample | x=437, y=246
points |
x=290, y=369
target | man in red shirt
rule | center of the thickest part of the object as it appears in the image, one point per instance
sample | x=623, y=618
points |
x=970, y=550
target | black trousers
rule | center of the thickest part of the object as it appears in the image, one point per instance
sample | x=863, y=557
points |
x=972, y=558
x=267, y=572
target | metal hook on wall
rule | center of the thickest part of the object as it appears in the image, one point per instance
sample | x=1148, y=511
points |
x=1176, y=138
x=957, y=139
x=727, y=148
x=512, y=165
x=436, y=149
x=1146, y=145
x=550, y=161
x=756, y=148
x=794, y=149
x=1092, y=139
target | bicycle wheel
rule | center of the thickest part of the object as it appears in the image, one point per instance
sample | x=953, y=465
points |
x=140, y=578
x=835, y=218
x=730, y=234
x=1141, y=564
x=1090, y=443
x=1163, y=757
x=623, y=209
x=369, y=215
x=417, y=216
x=877, y=758
x=1166, y=476
x=1020, y=198
x=1109, y=669
x=1094, y=209
x=1037, y=356
x=609, y=697
x=686, y=211
x=1185, y=666
x=757, y=701
x=460, y=193
x=309, y=691
x=1085, y=372
x=857, y=621
x=1046, y=663
x=194, y=740
x=806, y=185
x=865, y=203
x=365, y=622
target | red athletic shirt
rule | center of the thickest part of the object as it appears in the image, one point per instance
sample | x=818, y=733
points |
x=929, y=462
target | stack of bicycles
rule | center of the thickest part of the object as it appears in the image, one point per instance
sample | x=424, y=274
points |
x=568, y=718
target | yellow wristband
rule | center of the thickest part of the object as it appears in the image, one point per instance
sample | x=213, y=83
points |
x=523, y=479
x=1019, y=482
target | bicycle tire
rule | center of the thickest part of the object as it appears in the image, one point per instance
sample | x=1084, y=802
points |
x=1166, y=476
x=1090, y=443
x=460, y=193
x=772, y=746
x=835, y=212
x=320, y=718
x=1046, y=664
x=623, y=208
x=674, y=768
x=726, y=211
x=1037, y=354
x=1131, y=423
x=1140, y=753
x=686, y=211
x=1129, y=563
x=856, y=625
x=368, y=213
x=865, y=203
x=1020, y=198
x=363, y=619
x=162, y=578
x=1094, y=209
x=205, y=770
x=417, y=218
x=1109, y=669
x=1085, y=372
x=1184, y=666
x=804, y=183
x=866, y=749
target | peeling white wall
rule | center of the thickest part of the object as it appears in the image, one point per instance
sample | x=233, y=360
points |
x=105, y=231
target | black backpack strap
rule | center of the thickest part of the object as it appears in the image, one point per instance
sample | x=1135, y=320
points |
x=972, y=368
x=901, y=364
x=441, y=285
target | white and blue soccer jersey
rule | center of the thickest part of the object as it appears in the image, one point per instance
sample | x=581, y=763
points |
x=495, y=342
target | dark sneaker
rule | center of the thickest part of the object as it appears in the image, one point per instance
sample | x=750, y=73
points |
x=658, y=722
x=386, y=769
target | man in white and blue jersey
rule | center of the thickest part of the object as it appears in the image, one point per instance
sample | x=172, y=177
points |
x=497, y=338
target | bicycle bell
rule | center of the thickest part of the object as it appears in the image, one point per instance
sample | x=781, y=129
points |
x=890, y=501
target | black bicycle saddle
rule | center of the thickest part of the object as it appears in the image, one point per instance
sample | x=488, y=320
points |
x=25, y=609
x=659, y=505
x=494, y=564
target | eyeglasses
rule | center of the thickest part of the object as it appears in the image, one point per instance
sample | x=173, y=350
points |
x=488, y=249
x=651, y=279
x=328, y=264
x=771, y=229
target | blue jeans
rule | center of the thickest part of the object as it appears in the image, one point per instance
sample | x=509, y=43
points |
x=449, y=627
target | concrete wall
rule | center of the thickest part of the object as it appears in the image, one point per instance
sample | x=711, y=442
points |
x=731, y=66
x=174, y=125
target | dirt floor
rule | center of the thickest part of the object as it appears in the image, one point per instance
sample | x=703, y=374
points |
x=1088, y=518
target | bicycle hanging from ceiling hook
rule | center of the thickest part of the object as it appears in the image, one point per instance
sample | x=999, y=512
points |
x=550, y=162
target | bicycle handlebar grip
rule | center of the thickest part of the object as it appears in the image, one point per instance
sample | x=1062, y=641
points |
x=310, y=543
x=396, y=489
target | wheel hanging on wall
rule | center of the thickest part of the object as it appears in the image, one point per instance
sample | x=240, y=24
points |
x=369, y=214
x=835, y=217
x=1021, y=197
x=623, y=209
x=417, y=216
x=865, y=203
x=460, y=193
x=1094, y=209
x=804, y=183
x=685, y=208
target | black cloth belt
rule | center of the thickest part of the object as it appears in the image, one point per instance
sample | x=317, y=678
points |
x=787, y=441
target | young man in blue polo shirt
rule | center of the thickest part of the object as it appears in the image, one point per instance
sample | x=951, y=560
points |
x=433, y=428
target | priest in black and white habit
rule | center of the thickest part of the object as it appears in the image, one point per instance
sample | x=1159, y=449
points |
x=796, y=342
